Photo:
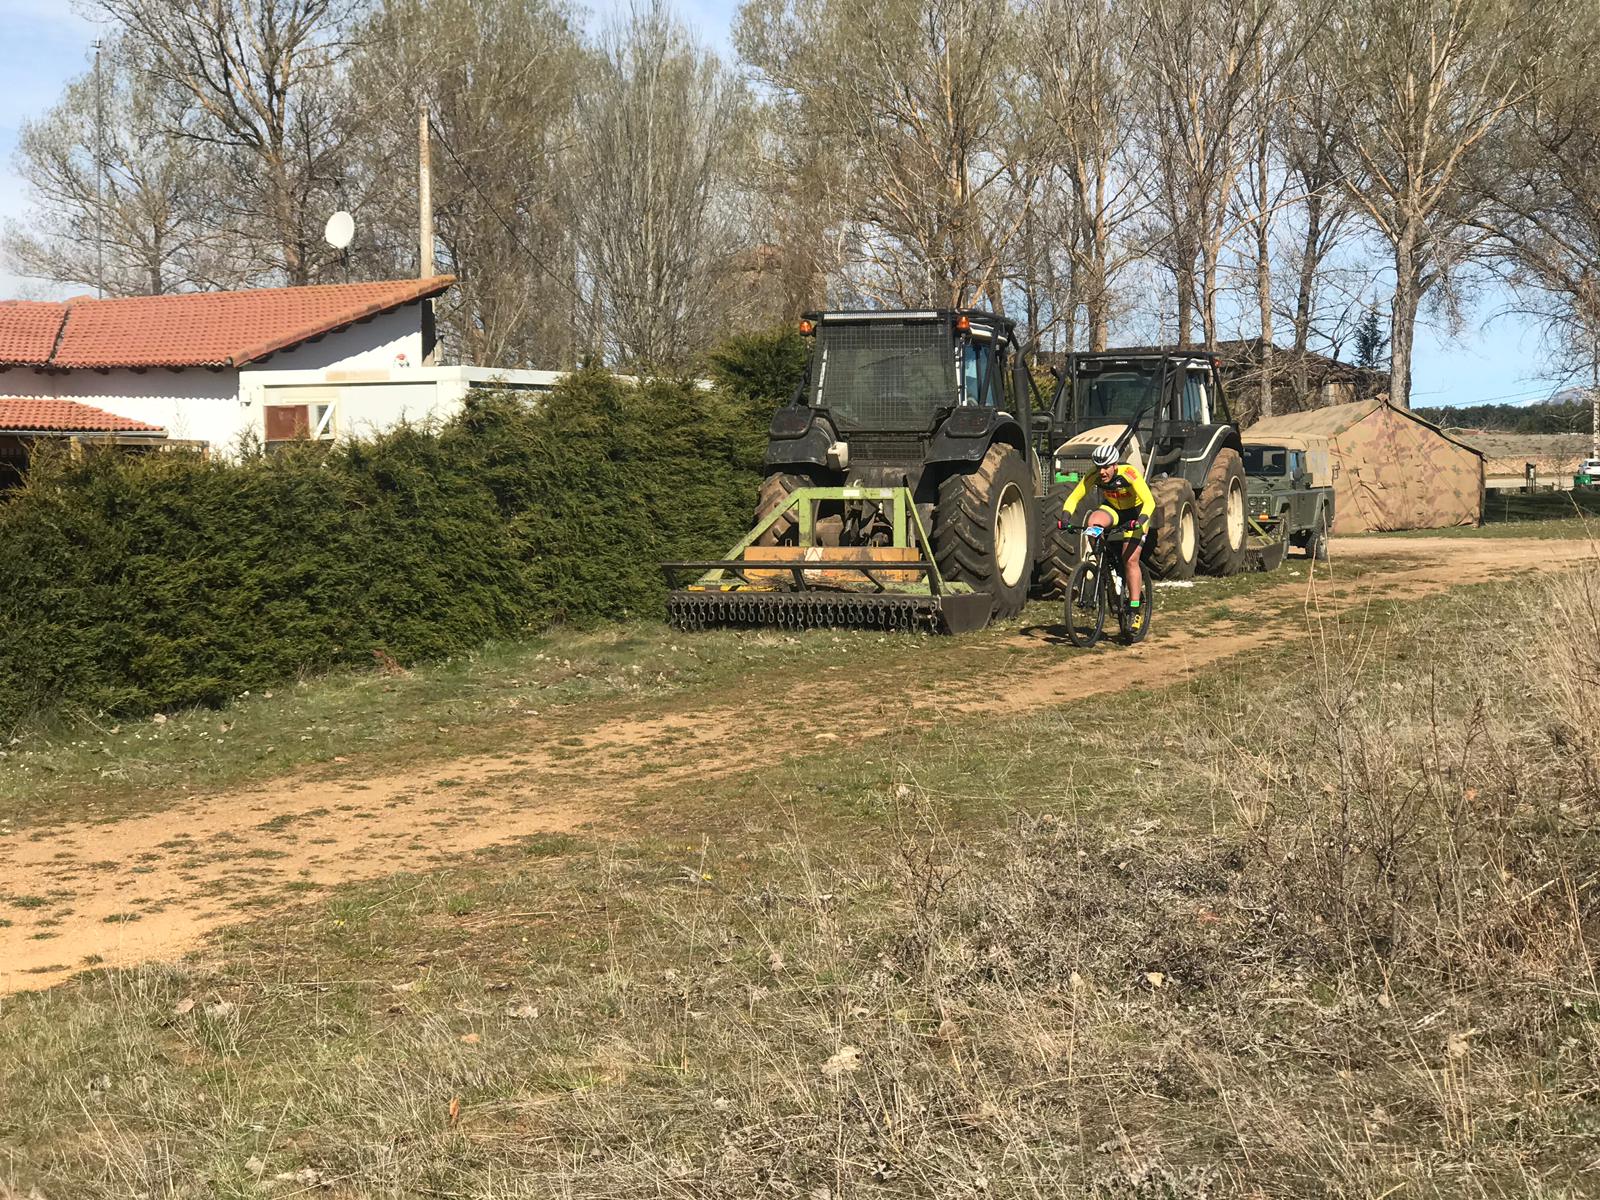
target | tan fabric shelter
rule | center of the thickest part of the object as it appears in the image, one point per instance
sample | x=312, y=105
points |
x=1391, y=469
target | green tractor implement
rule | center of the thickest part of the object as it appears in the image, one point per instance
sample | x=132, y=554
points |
x=893, y=584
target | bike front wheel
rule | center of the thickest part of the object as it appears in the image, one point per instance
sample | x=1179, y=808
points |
x=1086, y=605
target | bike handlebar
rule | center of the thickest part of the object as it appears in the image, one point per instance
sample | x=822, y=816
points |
x=1111, y=534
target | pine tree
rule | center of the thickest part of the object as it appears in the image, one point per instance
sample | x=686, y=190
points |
x=1370, y=342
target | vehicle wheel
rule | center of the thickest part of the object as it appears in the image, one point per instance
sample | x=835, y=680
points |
x=983, y=529
x=1317, y=538
x=1086, y=605
x=1175, y=531
x=775, y=489
x=1062, y=551
x=1222, y=516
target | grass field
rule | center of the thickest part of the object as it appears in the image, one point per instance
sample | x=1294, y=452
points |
x=1316, y=922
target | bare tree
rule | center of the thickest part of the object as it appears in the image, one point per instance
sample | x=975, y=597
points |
x=1419, y=85
x=115, y=199
x=938, y=179
x=1203, y=65
x=659, y=122
x=498, y=79
x=257, y=80
x=1313, y=140
x=1084, y=58
x=1544, y=206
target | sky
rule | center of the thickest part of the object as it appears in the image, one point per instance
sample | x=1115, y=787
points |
x=50, y=41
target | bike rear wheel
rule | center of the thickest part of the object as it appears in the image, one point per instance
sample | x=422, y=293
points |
x=1086, y=605
x=1147, y=604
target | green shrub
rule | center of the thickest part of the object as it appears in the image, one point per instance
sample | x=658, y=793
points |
x=135, y=583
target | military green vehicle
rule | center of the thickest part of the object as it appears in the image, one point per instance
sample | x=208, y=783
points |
x=1291, y=490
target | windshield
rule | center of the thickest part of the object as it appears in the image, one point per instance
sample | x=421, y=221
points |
x=1117, y=395
x=1265, y=460
x=884, y=374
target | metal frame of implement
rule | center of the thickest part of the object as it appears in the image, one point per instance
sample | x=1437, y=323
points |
x=794, y=592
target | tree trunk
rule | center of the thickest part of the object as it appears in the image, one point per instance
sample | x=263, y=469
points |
x=1264, y=270
x=1185, y=276
x=1403, y=318
x=1211, y=268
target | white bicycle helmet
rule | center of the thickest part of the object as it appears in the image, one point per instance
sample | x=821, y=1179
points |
x=1104, y=456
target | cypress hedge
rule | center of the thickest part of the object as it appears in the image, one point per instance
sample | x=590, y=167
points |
x=131, y=584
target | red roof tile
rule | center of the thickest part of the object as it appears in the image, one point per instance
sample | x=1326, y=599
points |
x=194, y=329
x=65, y=416
x=28, y=330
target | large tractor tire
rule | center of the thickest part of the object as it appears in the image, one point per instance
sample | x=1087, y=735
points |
x=775, y=489
x=983, y=530
x=1060, y=557
x=1223, y=527
x=1175, y=532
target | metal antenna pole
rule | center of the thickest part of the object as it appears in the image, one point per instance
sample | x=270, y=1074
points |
x=99, y=179
x=424, y=194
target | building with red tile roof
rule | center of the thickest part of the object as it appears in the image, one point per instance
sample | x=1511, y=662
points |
x=218, y=367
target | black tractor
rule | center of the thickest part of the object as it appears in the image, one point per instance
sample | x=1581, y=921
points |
x=1167, y=412
x=936, y=402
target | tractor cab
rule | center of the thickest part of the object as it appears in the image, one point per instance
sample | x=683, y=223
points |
x=889, y=395
x=1153, y=402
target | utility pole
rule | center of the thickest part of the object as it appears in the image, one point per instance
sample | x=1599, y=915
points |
x=424, y=194
x=99, y=179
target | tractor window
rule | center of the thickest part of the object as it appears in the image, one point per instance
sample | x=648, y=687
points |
x=886, y=375
x=1264, y=460
x=1194, y=397
x=977, y=364
x=1117, y=395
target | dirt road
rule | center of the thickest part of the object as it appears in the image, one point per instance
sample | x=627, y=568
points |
x=150, y=887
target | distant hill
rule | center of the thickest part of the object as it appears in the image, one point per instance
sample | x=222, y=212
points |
x=1559, y=416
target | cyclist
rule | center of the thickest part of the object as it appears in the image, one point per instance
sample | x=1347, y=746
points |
x=1125, y=501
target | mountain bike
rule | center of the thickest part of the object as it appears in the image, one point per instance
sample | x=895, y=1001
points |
x=1099, y=583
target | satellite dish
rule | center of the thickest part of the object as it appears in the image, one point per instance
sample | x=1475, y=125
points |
x=340, y=229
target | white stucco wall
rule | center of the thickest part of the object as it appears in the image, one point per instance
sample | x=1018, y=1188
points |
x=371, y=345
x=201, y=405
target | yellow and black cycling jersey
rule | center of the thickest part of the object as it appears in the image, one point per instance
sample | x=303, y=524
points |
x=1125, y=495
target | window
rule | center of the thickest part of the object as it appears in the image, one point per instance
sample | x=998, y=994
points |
x=977, y=367
x=969, y=374
x=883, y=374
x=297, y=422
x=1264, y=460
x=1194, y=397
x=1118, y=395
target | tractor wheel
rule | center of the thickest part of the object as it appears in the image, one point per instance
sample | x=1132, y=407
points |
x=1317, y=538
x=1061, y=553
x=775, y=489
x=1175, y=532
x=1222, y=517
x=983, y=529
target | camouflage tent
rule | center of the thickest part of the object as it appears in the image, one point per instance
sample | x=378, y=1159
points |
x=1391, y=469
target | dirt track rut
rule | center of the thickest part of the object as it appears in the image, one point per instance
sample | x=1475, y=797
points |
x=150, y=887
